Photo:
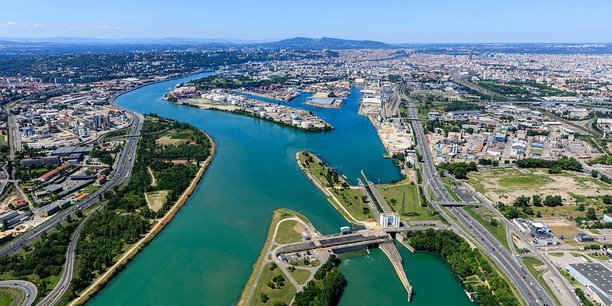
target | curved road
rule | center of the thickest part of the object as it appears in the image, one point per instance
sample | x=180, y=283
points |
x=29, y=290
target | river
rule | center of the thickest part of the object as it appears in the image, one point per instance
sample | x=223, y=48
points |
x=205, y=255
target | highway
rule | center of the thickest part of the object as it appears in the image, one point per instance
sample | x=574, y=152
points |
x=123, y=169
x=29, y=290
x=527, y=286
x=62, y=285
x=121, y=173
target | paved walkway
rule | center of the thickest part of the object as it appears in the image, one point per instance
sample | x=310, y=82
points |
x=283, y=266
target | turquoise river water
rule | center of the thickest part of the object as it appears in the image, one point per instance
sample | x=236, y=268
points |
x=205, y=255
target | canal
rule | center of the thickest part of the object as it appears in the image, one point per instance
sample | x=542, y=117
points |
x=205, y=255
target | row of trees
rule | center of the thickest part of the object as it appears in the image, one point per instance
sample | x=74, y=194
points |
x=488, y=162
x=563, y=163
x=466, y=262
x=462, y=106
x=536, y=200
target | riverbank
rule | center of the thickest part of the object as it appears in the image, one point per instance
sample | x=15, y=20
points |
x=265, y=269
x=104, y=278
x=352, y=208
x=207, y=252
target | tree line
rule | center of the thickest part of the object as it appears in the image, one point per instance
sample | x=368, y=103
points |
x=466, y=262
x=563, y=163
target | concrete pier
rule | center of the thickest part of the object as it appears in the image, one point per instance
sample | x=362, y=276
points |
x=396, y=260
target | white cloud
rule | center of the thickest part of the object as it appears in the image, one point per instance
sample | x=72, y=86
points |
x=108, y=27
x=21, y=24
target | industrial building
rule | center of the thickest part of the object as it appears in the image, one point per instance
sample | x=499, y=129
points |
x=595, y=277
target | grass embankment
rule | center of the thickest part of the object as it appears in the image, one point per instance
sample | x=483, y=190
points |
x=10, y=297
x=537, y=268
x=262, y=274
x=496, y=228
x=450, y=187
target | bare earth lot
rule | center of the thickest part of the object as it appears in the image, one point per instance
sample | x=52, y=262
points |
x=505, y=185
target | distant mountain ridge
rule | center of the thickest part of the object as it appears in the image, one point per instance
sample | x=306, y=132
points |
x=326, y=43
x=304, y=43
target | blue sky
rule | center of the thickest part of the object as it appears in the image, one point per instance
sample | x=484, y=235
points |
x=384, y=20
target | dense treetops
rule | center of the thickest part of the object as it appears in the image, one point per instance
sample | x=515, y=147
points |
x=460, y=169
x=563, y=163
x=126, y=216
x=325, y=289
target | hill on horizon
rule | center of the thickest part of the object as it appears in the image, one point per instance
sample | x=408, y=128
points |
x=307, y=43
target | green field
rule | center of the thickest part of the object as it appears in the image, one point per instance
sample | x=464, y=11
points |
x=301, y=275
x=283, y=294
x=351, y=200
x=412, y=210
x=523, y=180
x=2, y=139
x=10, y=297
x=287, y=232
x=498, y=231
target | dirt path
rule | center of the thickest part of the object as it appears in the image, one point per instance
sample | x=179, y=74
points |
x=153, y=179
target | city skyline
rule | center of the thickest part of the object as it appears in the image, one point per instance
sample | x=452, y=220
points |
x=440, y=22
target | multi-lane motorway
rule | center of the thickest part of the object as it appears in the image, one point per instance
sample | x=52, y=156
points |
x=527, y=286
x=122, y=171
